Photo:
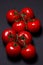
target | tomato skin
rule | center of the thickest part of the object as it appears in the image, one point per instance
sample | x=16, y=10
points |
x=28, y=52
x=13, y=49
x=19, y=26
x=27, y=13
x=8, y=35
x=34, y=25
x=24, y=38
x=12, y=15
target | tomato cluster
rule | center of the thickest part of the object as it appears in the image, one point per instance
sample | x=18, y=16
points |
x=18, y=38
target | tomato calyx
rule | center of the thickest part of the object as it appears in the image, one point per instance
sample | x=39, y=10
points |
x=15, y=44
x=10, y=36
x=22, y=38
x=31, y=20
x=17, y=20
x=15, y=13
x=23, y=14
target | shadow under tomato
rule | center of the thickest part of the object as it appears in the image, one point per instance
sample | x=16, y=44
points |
x=42, y=30
x=37, y=34
x=4, y=43
x=33, y=43
x=31, y=61
x=10, y=24
x=14, y=59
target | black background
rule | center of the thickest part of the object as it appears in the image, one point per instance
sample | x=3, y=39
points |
x=37, y=6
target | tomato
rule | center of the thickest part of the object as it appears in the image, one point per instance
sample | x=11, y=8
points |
x=19, y=26
x=8, y=35
x=12, y=15
x=13, y=49
x=28, y=52
x=34, y=25
x=24, y=38
x=27, y=13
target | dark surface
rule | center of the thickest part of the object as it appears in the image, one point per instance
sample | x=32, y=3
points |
x=37, y=6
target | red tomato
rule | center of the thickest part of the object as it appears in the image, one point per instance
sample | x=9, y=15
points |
x=34, y=25
x=12, y=15
x=28, y=52
x=13, y=49
x=8, y=35
x=27, y=13
x=18, y=26
x=24, y=37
